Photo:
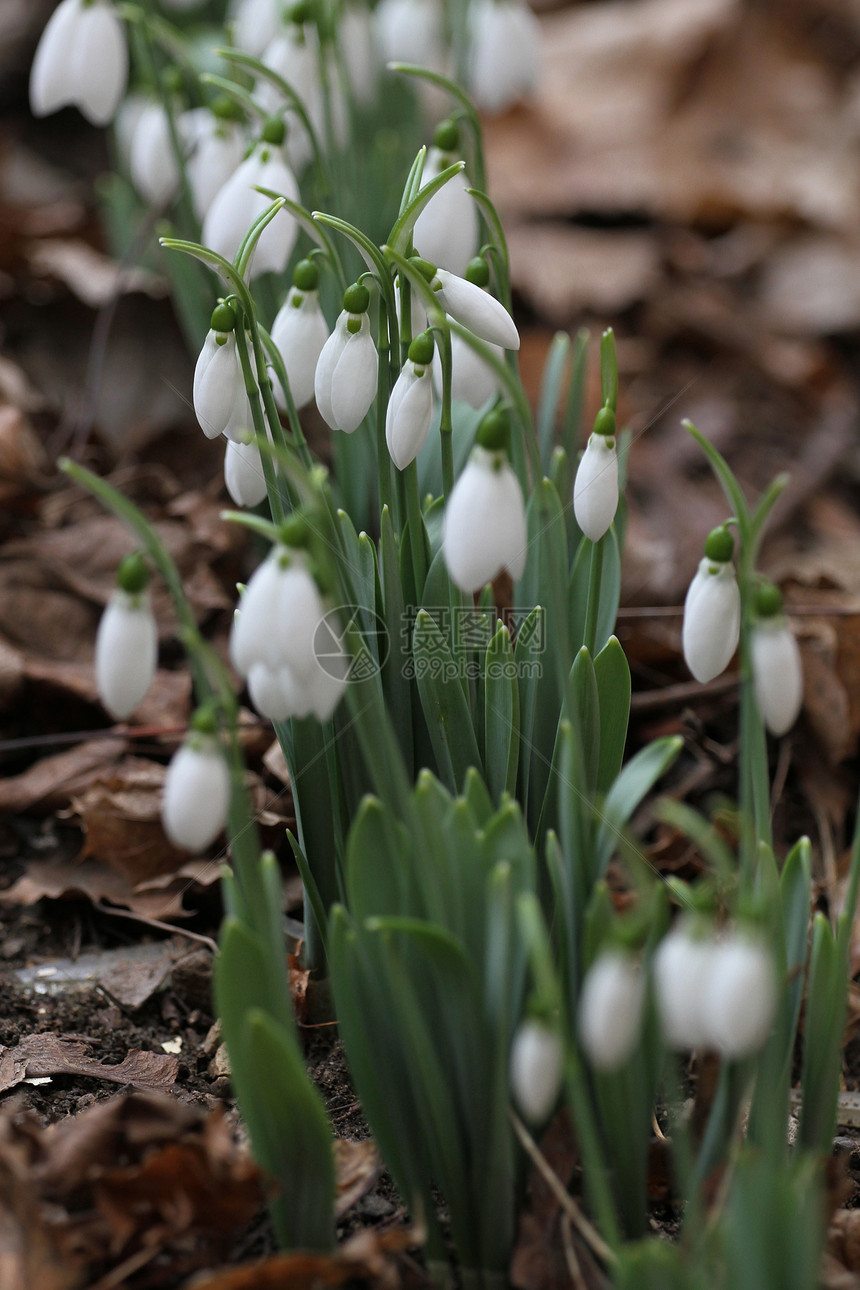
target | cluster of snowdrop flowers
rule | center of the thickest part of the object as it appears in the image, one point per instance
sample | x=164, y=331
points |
x=286, y=641
x=127, y=641
x=536, y=1068
x=595, y=489
x=715, y=991
x=484, y=528
x=82, y=60
x=712, y=610
x=776, y=668
x=610, y=1008
x=196, y=795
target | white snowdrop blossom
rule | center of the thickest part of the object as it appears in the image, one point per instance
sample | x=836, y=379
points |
x=683, y=967
x=294, y=54
x=447, y=230
x=484, y=527
x=712, y=619
x=740, y=998
x=300, y=332
x=478, y=311
x=505, y=53
x=412, y=31
x=196, y=793
x=410, y=407
x=537, y=1064
x=126, y=652
x=243, y=473
x=359, y=47
x=595, y=489
x=473, y=381
x=777, y=673
x=219, y=396
x=255, y=23
x=345, y=380
x=152, y=163
x=82, y=59
x=610, y=1009
x=215, y=147
x=236, y=205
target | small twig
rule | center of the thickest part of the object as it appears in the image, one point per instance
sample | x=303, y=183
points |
x=570, y=1254
x=569, y=1206
x=156, y=922
x=683, y=692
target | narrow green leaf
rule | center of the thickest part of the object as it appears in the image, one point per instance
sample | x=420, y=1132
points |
x=445, y=709
x=612, y=676
x=501, y=715
x=636, y=779
x=550, y=394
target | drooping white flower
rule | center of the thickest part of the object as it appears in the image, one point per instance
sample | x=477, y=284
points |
x=475, y=309
x=216, y=146
x=776, y=666
x=410, y=407
x=82, y=59
x=125, y=122
x=505, y=53
x=740, y=998
x=126, y=642
x=243, y=473
x=255, y=23
x=610, y=1009
x=473, y=381
x=300, y=332
x=346, y=374
x=447, y=230
x=412, y=31
x=484, y=528
x=537, y=1063
x=219, y=395
x=595, y=489
x=154, y=171
x=712, y=610
x=196, y=791
x=294, y=54
x=359, y=47
x=237, y=204
x=683, y=967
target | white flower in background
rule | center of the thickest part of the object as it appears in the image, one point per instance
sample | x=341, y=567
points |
x=152, y=163
x=285, y=640
x=537, y=1064
x=595, y=489
x=471, y=306
x=359, y=48
x=683, y=968
x=412, y=31
x=776, y=667
x=237, y=205
x=125, y=123
x=610, y=1009
x=447, y=230
x=410, y=407
x=216, y=145
x=82, y=59
x=712, y=610
x=255, y=23
x=740, y=999
x=505, y=53
x=484, y=528
x=346, y=374
x=220, y=399
x=196, y=795
x=243, y=473
x=300, y=332
x=293, y=54
x=126, y=642
x=473, y=381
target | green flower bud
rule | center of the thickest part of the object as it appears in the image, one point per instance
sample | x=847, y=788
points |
x=356, y=298
x=494, y=432
x=421, y=349
x=478, y=271
x=604, y=422
x=204, y=721
x=446, y=136
x=223, y=317
x=225, y=108
x=720, y=545
x=295, y=532
x=274, y=131
x=172, y=80
x=132, y=576
x=306, y=276
x=424, y=267
x=768, y=600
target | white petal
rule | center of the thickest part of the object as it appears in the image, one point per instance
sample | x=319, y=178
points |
x=610, y=1009
x=712, y=617
x=330, y=356
x=353, y=382
x=484, y=528
x=50, y=81
x=300, y=332
x=472, y=380
x=411, y=31
x=537, y=1060
x=446, y=232
x=477, y=310
x=154, y=171
x=740, y=1000
x=126, y=653
x=505, y=53
x=254, y=639
x=407, y=422
x=98, y=61
x=215, y=154
x=256, y=22
x=683, y=967
x=595, y=490
x=196, y=795
x=359, y=49
x=777, y=675
x=267, y=693
x=299, y=613
x=217, y=378
x=278, y=238
x=243, y=474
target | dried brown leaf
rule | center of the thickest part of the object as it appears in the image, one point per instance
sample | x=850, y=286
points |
x=357, y=1166
x=50, y=1054
x=52, y=781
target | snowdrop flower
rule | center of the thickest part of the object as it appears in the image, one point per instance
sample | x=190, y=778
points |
x=126, y=642
x=473, y=381
x=484, y=528
x=777, y=673
x=82, y=59
x=293, y=53
x=255, y=23
x=152, y=163
x=412, y=31
x=300, y=331
x=610, y=1009
x=470, y=305
x=712, y=610
x=346, y=374
x=595, y=489
x=243, y=473
x=537, y=1062
x=197, y=788
x=216, y=146
x=285, y=641
x=683, y=969
x=740, y=997
x=447, y=230
x=219, y=395
x=125, y=122
x=505, y=53
x=357, y=38
x=236, y=205
x=410, y=407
